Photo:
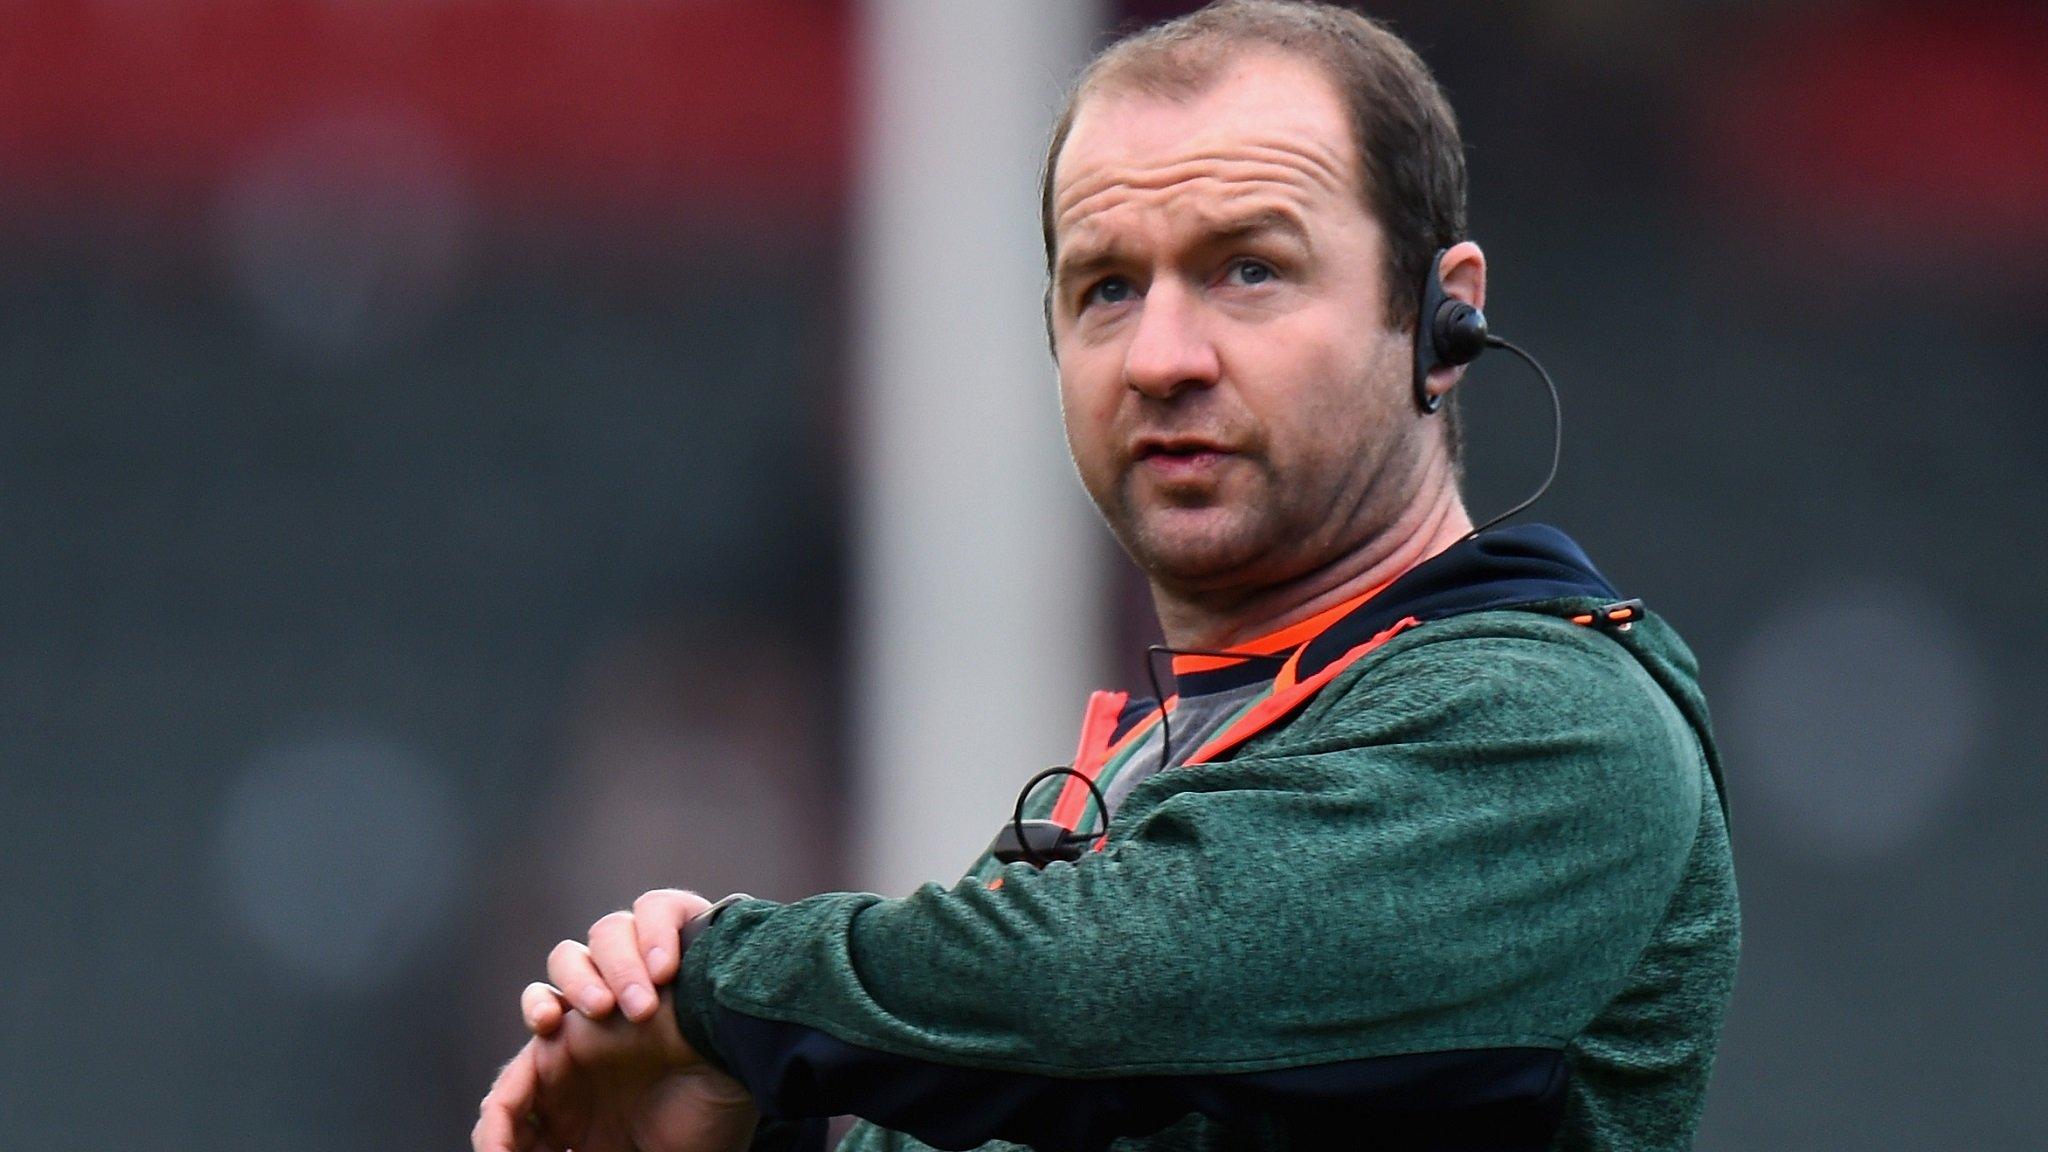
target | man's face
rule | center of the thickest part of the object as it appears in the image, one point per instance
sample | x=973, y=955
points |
x=1234, y=400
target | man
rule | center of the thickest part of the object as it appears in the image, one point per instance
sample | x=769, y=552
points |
x=1428, y=851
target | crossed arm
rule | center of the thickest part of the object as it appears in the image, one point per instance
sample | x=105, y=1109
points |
x=1511, y=882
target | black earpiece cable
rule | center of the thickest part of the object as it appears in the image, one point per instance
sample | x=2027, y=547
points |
x=1556, y=435
x=1152, y=654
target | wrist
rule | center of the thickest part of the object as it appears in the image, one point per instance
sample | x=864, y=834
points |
x=693, y=986
x=695, y=925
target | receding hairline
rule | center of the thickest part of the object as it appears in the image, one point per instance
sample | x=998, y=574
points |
x=1185, y=70
x=1181, y=74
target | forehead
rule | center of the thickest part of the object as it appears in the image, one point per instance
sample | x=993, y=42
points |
x=1270, y=125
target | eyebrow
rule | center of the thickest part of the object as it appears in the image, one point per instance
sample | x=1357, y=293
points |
x=1260, y=223
x=1073, y=269
x=1227, y=231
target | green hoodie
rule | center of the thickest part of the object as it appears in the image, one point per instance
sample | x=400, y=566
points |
x=1469, y=886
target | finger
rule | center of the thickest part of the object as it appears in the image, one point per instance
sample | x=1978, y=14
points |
x=564, y=1099
x=615, y=949
x=542, y=1007
x=502, y=1123
x=570, y=969
x=658, y=919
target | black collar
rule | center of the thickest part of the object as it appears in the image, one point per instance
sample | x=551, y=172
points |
x=1499, y=568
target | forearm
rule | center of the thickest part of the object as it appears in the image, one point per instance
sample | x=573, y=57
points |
x=1110, y=998
x=1131, y=961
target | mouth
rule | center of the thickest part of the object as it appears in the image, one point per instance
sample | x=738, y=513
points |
x=1178, y=449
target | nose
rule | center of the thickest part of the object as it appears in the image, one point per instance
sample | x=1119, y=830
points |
x=1169, y=351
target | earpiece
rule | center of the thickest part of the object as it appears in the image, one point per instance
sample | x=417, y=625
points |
x=1448, y=332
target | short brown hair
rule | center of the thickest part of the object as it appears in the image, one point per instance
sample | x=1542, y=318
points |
x=1411, y=156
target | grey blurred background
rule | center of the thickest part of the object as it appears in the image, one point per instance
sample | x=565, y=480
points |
x=450, y=485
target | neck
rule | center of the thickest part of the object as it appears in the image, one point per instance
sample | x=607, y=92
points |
x=1427, y=527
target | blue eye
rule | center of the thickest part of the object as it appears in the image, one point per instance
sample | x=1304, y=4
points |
x=1110, y=290
x=1251, y=272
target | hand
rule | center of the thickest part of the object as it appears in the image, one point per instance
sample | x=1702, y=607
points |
x=630, y=956
x=614, y=1086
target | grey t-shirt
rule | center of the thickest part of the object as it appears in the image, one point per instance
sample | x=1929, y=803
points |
x=1194, y=720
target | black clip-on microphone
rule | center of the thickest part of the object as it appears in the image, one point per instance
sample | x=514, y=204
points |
x=1040, y=842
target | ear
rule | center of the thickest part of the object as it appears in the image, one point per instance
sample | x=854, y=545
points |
x=1052, y=340
x=1463, y=270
